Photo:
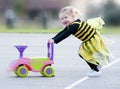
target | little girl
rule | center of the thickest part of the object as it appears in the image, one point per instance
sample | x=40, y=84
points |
x=92, y=49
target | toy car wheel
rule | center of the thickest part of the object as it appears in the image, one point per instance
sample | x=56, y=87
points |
x=48, y=71
x=42, y=73
x=21, y=71
x=16, y=71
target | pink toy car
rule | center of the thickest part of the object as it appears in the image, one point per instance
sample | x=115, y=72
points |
x=23, y=65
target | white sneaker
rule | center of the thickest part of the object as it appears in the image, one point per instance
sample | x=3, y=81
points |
x=99, y=67
x=94, y=73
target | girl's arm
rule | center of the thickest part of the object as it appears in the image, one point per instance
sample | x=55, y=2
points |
x=66, y=32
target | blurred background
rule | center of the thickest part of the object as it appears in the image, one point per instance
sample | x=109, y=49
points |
x=43, y=14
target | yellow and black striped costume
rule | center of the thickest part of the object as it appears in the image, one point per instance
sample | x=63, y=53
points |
x=92, y=45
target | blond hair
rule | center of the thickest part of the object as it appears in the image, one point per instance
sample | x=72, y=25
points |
x=70, y=10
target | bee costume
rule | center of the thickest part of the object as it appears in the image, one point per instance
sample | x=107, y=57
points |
x=92, y=49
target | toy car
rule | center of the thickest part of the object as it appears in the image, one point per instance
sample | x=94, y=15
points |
x=23, y=65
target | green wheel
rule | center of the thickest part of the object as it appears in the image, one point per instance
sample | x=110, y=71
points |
x=42, y=73
x=16, y=71
x=48, y=71
x=21, y=71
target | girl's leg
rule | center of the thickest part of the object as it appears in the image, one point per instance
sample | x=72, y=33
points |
x=95, y=70
x=93, y=67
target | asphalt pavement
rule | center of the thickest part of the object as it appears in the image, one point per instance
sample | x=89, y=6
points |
x=70, y=70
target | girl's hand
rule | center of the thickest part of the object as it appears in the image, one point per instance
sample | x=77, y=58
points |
x=51, y=41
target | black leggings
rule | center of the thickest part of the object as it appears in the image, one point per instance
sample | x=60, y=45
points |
x=93, y=67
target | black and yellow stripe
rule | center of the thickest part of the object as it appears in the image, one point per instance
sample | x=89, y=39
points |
x=84, y=31
x=92, y=44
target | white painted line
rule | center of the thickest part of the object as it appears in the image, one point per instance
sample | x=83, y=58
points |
x=112, y=63
x=86, y=77
x=77, y=82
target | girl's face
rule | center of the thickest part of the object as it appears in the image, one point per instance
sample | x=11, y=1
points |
x=66, y=19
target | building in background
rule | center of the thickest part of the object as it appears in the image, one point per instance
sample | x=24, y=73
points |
x=37, y=7
x=45, y=12
x=42, y=11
